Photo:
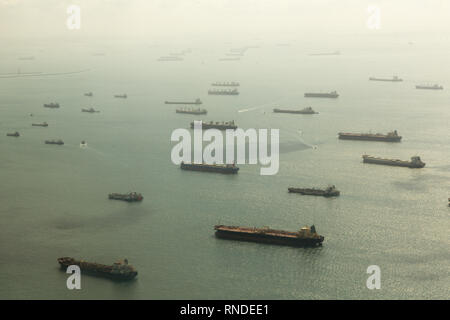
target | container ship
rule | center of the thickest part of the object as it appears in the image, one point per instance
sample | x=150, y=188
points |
x=330, y=191
x=393, y=79
x=305, y=237
x=414, y=163
x=225, y=84
x=192, y=111
x=217, y=125
x=332, y=94
x=219, y=168
x=15, y=134
x=128, y=197
x=43, y=124
x=120, y=270
x=51, y=105
x=224, y=92
x=430, y=87
x=58, y=142
x=389, y=137
x=90, y=110
x=307, y=110
x=197, y=101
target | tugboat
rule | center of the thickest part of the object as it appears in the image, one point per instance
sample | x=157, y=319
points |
x=120, y=270
x=389, y=137
x=332, y=94
x=58, y=142
x=90, y=110
x=43, y=124
x=217, y=125
x=307, y=110
x=51, y=105
x=414, y=163
x=219, y=168
x=129, y=197
x=122, y=96
x=192, y=111
x=15, y=134
x=197, y=101
x=330, y=191
x=305, y=237
x=89, y=94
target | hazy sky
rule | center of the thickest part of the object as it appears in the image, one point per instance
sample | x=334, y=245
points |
x=160, y=18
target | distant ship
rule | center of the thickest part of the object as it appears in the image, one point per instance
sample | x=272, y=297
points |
x=307, y=110
x=389, y=137
x=83, y=144
x=170, y=58
x=217, y=125
x=89, y=94
x=225, y=84
x=120, y=270
x=330, y=191
x=123, y=96
x=51, y=105
x=305, y=237
x=197, y=101
x=43, y=124
x=192, y=111
x=335, y=53
x=393, y=79
x=224, y=92
x=129, y=197
x=414, y=163
x=332, y=94
x=430, y=87
x=219, y=168
x=90, y=110
x=58, y=142
x=15, y=134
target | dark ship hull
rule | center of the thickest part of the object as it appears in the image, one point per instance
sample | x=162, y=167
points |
x=196, y=112
x=386, y=79
x=15, y=134
x=321, y=95
x=39, y=124
x=57, y=142
x=393, y=162
x=225, y=169
x=97, y=269
x=295, y=111
x=277, y=237
x=369, y=137
x=216, y=126
x=315, y=192
x=223, y=93
x=128, y=197
x=430, y=87
x=183, y=102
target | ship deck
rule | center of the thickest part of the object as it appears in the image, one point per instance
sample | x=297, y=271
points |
x=271, y=232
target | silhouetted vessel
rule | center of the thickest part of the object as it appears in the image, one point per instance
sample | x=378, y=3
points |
x=217, y=125
x=122, y=96
x=305, y=237
x=197, y=101
x=389, y=137
x=330, y=191
x=223, y=92
x=83, y=144
x=191, y=111
x=51, y=105
x=332, y=94
x=219, y=168
x=90, y=110
x=15, y=134
x=414, y=163
x=393, y=79
x=89, y=94
x=58, y=142
x=43, y=124
x=120, y=270
x=430, y=87
x=307, y=110
x=225, y=84
x=129, y=197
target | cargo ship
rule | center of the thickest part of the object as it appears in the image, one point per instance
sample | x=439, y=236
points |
x=224, y=92
x=225, y=84
x=58, y=142
x=393, y=79
x=51, y=105
x=43, y=124
x=217, y=125
x=330, y=191
x=15, y=134
x=122, y=96
x=90, y=110
x=89, y=94
x=219, y=168
x=307, y=110
x=129, y=197
x=332, y=94
x=414, y=163
x=120, y=270
x=430, y=87
x=192, y=111
x=305, y=237
x=197, y=101
x=389, y=137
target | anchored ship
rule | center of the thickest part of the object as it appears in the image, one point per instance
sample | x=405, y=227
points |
x=192, y=111
x=58, y=142
x=43, y=124
x=305, y=237
x=393, y=79
x=197, y=101
x=330, y=191
x=332, y=94
x=224, y=92
x=89, y=94
x=225, y=84
x=307, y=110
x=90, y=110
x=219, y=168
x=51, y=105
x=129, y=197
x=389, y=137
x=123, y=96
x=15, y=134
x=414, y=163
x=120, y=270
x=430, y=87
x=217, y=125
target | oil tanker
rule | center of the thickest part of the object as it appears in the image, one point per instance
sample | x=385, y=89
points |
x=120, y=270
x=219, y=168
x=307, y=110
x=389, y=137
x=217, y=125
x=192, y=111
x=332, y=94
x=197, y=101
x=414, y=163
x=330, y=191
x=305, y=237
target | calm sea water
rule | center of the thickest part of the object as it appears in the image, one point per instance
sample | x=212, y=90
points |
x=53, y=200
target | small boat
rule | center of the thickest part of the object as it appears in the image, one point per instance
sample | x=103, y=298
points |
x=89, y=94
x=83, y=144
x=15, y=134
